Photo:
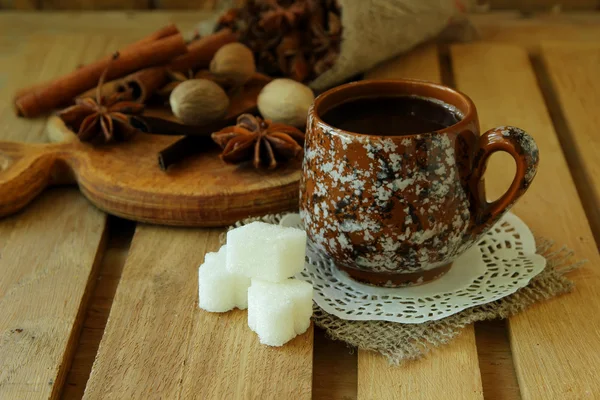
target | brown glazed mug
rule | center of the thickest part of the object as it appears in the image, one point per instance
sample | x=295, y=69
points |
x=398, y=210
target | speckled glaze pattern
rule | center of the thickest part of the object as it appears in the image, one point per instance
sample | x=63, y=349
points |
x=398, y=210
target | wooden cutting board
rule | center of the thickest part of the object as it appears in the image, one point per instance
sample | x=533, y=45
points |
x=124, y=179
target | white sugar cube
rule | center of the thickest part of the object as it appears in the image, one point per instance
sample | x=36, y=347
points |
x=219, y=289
x=265, y=251
x=278, y=312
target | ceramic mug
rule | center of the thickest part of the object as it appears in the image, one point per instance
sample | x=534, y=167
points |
x=398, y=210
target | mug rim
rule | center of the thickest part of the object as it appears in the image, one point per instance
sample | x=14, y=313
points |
x=468, y=110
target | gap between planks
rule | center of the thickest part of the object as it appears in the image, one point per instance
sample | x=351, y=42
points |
x=119, y=235
x=335, y=369
x=38, y=332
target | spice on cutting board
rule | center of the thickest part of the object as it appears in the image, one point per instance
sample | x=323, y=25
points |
x=263, y=142
x=286, y=101
x=192, y=144
x=103, y=118
x=233, y=64
x=200, y=52
x=198, y=102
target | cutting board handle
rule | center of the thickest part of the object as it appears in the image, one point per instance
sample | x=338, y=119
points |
x=25, y=170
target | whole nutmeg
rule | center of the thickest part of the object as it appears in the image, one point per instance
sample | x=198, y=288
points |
x=286, y=101
x=233, y=64
x=198, y=102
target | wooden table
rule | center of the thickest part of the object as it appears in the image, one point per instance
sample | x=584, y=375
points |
x=96, y=306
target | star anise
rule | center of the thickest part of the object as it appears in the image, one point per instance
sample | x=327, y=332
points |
x=104, y=118
x=264, y=142
x=299, y=39
x=273, y=19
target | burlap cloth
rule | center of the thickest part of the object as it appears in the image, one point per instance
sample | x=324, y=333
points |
x=374, y=31
x=402, y=342
x=377, y=30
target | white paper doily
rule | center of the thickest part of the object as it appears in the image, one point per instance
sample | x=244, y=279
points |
x=500, y=264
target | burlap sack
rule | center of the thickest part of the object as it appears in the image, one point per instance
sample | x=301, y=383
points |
x=376, y=30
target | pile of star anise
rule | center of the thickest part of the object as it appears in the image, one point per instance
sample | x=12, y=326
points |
x=299, y=39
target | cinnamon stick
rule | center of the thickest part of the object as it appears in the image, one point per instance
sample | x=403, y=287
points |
x=198, y=139
x=161, y=126
x=144, y=83
x=183, y=148
x=200, y=52
x=168, y=30
x=43, y=98
x=107, y=89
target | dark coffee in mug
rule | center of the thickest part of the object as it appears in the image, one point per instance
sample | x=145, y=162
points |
x=392, y=115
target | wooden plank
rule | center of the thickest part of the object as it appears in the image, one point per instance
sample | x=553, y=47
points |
x=499, y=26
x=19, y=4
x=574, y=71
x=119, y=235
x=57, y=252
x=419, y=63
x=158, y=343
x=453, y=370
x=536, y=5
x=556, y=342
x=111, y=24
x=94, y=4
x=45, y=280
x=208, y=5
x=512, y=27
x=450, y=372
x=187, y=4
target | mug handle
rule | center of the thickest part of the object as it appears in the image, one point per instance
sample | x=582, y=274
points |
x=524, y=150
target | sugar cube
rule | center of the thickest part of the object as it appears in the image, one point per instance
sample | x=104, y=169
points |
x=265, y=251
x=219, y=289
x=278, y=312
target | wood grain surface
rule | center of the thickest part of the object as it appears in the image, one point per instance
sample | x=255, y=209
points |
x=113, y=28
x=45, y=281
x=546, y=5
x=547, y=338
x=574, y=71
x=94, y=4
x=159, y=343
x=455, y=367
x=512, y=27
x=120, y=233
x=19, y=4
x=48, y=253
